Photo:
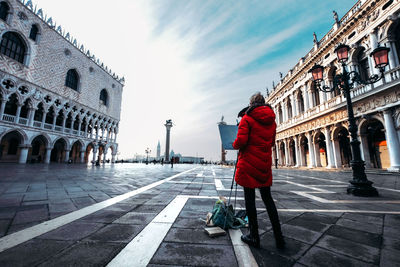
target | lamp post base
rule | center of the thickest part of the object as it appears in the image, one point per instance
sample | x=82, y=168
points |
x=362, y=189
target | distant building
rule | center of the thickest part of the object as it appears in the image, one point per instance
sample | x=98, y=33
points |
x=313, y=125
x=58, y=102
x=158, y=151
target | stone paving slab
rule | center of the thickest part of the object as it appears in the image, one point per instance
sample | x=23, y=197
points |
x=194, y=254
x=315, y=235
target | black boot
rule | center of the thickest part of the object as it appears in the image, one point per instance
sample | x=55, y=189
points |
x=252, y=238
x=279, y=241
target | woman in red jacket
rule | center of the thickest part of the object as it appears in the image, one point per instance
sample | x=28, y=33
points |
x=255, y=138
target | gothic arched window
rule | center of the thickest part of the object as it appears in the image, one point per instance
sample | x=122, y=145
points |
x=13, y=46
x=4, y=10
x=104, y=97
x=34, y=32
x=280, y=115
x=363, y=64
x=72, y=79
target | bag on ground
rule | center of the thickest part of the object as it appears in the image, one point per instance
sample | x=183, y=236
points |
x=223, y=216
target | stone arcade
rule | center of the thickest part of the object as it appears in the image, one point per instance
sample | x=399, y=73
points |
x=312, y=125
x=59, y=103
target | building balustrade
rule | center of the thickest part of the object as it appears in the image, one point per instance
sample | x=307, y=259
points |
x=37, y=124
x=9, y=118
x=391, y=76
x=23, y=121
x=47, y=126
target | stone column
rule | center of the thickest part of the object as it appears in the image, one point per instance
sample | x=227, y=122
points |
x=336, y=153
x=54, y=121
x=285, y=111
x=79, y=127
x=393, y=59
x=43, y=119
x=102, y=133
x=301, y=154
x=393, y=143
x=168, y=126
x=286, y=142
x=2, y=107
x=94, y=154
x=83, y=156
x=115, y=136
x=293, y=103
x=105, y=152
x=374, y=44
x=295, y=106
x=97, y=133
x=48, y=155
x=278, y=153
x=86, y=129
x=311, y=164
x=30, y=117
x=329, y=152
x=63, y=124
x=306, y=99
x=23, y=154
x=66, y=155
x=365, y=150
x=18, y=113
x=113, y=157
x=310, y=99
x=72, y=124
x=296, y=147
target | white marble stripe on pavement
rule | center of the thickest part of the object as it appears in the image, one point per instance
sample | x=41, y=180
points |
x=142, y=248
x=243, y=253
x=17, y=238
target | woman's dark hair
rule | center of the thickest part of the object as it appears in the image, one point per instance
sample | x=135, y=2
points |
x=257, y=99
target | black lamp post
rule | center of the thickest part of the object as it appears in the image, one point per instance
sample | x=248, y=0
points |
x=360, y=185
x=147, y=153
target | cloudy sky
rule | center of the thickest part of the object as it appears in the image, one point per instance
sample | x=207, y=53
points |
x=192, y=61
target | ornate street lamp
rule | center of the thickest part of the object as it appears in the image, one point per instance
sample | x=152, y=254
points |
x=360, y=185
x=148, y=151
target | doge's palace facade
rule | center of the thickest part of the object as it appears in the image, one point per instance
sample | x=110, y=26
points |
x=312, y=125
x=58, y=102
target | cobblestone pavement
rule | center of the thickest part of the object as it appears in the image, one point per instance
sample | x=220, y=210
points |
x=138, y=215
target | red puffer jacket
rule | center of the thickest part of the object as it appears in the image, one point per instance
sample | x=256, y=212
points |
x=255, y=138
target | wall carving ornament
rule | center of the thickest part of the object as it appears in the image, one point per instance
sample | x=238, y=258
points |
x=361, y=108
x=315, y=124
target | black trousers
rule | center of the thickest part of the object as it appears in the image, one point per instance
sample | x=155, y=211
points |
x=250, y=199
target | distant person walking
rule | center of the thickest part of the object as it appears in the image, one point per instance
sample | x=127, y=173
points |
x=172, y=162
x=255, y=138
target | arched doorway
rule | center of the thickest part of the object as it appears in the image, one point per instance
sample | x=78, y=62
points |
x=282, y=153
x=75, y=152
x=304, y=150
x=89, y=153
x=292, y=149
x=320, y=150
x=343, y=141
x=9, y=146
x=37, y=151
x=374, y=144
x=100, y=153
x=58, y=151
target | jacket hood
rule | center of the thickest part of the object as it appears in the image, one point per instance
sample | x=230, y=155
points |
x=263, y=114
